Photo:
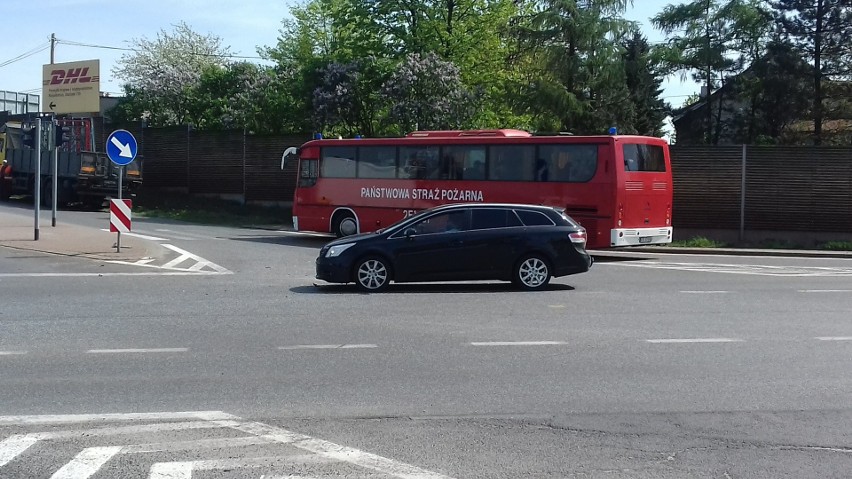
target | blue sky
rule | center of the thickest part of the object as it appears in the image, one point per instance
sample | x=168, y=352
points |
x=243, y=25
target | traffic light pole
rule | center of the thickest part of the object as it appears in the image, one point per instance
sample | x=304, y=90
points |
x=55, y=183
x=37, y=185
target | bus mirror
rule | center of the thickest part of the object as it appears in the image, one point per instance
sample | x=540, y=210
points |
x=289, y=154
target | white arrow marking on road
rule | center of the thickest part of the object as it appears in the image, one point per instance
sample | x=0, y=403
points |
x=125, y=149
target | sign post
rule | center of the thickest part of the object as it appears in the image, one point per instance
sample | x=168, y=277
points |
x=121, y=148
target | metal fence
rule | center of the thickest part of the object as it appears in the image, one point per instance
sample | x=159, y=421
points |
x=231, y=163
x=747, y=188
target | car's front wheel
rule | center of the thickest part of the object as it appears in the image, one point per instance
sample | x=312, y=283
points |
x=372, y=274
x=532, y=273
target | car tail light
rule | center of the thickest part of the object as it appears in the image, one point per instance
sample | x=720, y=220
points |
x=578, y=237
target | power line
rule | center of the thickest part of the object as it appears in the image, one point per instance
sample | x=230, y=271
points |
x=108, y=47
x=26, y=54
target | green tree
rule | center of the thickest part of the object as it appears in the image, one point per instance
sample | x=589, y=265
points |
x=159, y=72
x=643, y=81
x=713, y=40
x=821, y=31
x=570, y=56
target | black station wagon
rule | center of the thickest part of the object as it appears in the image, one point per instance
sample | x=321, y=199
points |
x=520, y=243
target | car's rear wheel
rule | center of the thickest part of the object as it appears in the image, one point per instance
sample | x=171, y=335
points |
x=372, y=274
x=531, y=273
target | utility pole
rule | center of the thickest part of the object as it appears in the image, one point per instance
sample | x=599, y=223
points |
x=53, y=126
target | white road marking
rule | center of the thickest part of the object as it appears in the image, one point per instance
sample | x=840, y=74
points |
x=556, y=306
x=132, y=350
x=196, y=268
x=81, y=418
x=144, y=261
x=328, y=346
x=12, y=446
x=696, y=340
x=171, y=470
x=180, y=259
x=86, y=463
x=705, y=292
x=95, y=275
x=12, y=353
x=518, y=343
x=140, y=236
x=211, y=265
x=92, y=459
x=340, y=453
x=835, y=338
x=825, y=290
x=183, y=469
x=755, y=269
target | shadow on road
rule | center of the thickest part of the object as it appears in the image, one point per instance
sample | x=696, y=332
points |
x=414, y=288
x=312, y=242
x=613, y=257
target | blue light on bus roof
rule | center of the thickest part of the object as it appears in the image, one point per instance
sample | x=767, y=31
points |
x=317, y=136
x=613, y=130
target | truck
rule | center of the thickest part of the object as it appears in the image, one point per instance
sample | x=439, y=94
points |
x=84, y=175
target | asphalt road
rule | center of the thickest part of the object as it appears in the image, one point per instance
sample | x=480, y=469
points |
x=648, y=366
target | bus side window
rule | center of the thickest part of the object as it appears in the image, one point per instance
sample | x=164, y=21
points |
x=512, y=163
x=338, y=162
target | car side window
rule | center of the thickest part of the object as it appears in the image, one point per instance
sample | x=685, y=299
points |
x=490, y=218
x=451, y=221
x=534, y=218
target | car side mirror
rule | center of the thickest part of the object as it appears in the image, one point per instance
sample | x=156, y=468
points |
x=409, y=232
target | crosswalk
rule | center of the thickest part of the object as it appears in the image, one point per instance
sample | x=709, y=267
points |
x=751, y=269
x=179, y=445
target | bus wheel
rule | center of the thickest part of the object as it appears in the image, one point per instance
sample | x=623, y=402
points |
x=344, y=225
x=372, y=274
x=531, y=273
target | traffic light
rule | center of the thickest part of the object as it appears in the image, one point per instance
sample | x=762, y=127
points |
x=28, y=135
x=62, y=134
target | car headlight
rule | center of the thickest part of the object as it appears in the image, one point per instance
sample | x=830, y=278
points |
x=336, y=250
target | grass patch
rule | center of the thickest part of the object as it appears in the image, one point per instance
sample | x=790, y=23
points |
x=209, y=211
x=778, y=244
x=699, y=242
x=836, y=246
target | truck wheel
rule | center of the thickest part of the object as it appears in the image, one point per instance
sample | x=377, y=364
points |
x=5, y=182
x=93, y=202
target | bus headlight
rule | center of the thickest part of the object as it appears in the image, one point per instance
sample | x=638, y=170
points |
x=337, y=249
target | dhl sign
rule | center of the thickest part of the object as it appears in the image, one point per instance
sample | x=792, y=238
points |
x=71, y=75
x=72, y=87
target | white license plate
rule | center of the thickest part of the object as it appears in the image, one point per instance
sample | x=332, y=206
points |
x=645, y=239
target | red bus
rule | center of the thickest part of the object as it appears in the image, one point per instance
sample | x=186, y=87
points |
x=618, y=187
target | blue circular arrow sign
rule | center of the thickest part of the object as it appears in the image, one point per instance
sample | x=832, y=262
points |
x=121, y=147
